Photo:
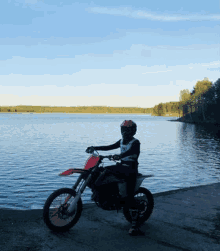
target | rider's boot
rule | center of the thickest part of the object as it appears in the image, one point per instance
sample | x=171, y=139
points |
x=135, y=230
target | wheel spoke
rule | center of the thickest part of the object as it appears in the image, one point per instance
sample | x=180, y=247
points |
x=58, y=210
x=55, y=212
x=142, y=203
x=145, y=204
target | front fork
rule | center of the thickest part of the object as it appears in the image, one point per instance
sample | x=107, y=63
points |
x=74, y=188
x=79, y=192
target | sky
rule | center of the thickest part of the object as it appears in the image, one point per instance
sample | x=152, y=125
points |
x=106, y=53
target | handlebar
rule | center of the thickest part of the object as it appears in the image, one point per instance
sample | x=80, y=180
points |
x=110, y=157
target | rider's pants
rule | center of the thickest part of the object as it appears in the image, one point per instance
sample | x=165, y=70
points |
x=129, y=173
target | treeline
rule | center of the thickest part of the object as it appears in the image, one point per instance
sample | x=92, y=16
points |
x=202, y=104
x=77, y=109
x=166, y=109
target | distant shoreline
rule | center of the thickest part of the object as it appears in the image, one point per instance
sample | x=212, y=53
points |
x=107, y=113
x=75, y=109
x=22, y=109
x=80, y=110
x=72, y=113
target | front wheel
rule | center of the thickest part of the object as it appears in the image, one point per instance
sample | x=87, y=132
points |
x=145, y=204
x=55, y=211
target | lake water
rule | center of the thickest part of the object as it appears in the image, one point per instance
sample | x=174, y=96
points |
x=35, y=148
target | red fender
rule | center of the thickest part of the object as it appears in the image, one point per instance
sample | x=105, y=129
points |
x=90, y=162
x=71, y=171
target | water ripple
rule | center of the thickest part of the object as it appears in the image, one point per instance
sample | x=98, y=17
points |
x=34, y=149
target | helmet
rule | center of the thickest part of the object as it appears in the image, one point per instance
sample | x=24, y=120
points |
x=129, y=126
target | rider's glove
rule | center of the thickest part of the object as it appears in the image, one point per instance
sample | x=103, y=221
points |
x=90, y=149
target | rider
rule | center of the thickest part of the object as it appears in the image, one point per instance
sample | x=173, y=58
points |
x=128, y=168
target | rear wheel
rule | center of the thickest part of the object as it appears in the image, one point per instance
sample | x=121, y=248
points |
x=144, y=203
x=55, y=211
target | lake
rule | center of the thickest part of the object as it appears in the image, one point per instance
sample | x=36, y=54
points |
x=35, y=148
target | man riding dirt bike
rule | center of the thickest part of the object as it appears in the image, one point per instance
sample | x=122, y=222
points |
x=107, y=186
x=128, y=168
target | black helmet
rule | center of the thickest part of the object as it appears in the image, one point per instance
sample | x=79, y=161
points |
x=129, y=126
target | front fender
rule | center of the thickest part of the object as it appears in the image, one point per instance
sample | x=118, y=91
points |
x=73, y=170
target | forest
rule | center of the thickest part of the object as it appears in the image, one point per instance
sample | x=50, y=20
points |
x=202, y=104
x=77, y=109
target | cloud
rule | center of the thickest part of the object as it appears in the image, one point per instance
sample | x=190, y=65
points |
x=63, y=61
x=31, y=1
x=128, y=12
x=214, y=69
x=127, y=86
x=146, y=75
x=213, y=63
x=156, y=72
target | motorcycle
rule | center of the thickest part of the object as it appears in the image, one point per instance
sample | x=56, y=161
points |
x=63, y=207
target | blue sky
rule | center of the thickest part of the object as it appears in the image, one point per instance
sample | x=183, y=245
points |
x=114, y=53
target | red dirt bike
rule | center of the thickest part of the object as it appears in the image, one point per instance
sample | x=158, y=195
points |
x=63, y=207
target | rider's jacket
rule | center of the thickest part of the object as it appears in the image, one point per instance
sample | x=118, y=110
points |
x=125, y=148
x=132, y=148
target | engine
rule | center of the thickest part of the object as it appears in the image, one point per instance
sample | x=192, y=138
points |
x=106, y=196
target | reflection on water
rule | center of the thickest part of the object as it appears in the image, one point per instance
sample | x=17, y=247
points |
x=189, y=156
x=35, y=148
x=200, y=146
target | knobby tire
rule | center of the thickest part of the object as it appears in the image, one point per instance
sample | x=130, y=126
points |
x=46, y=210
x=150, y=205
